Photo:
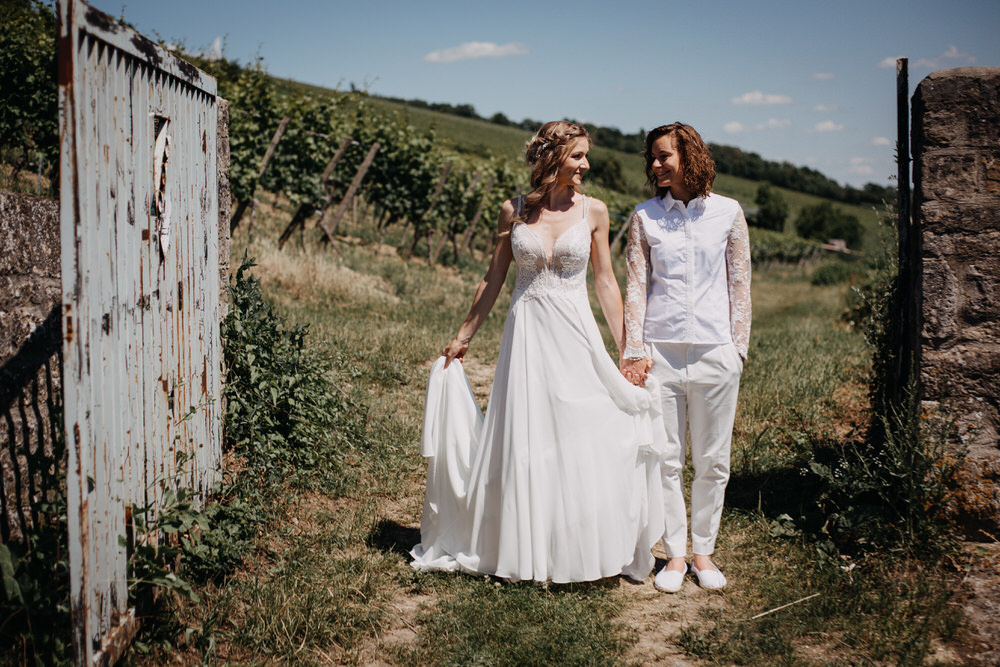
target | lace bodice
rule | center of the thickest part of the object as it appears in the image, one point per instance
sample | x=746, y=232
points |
x=565, y=272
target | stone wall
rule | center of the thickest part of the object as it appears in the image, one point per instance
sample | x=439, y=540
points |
x=956, y=173
x=30, y=357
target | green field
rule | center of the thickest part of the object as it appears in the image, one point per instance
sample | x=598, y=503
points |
x=329, y=581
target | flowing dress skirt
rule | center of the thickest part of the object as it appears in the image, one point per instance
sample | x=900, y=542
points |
x=560, y=481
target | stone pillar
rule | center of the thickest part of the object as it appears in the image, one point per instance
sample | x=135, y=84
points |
x=956, y=173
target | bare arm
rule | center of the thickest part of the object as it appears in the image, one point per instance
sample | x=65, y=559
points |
x=605, y=285
x=489, y=288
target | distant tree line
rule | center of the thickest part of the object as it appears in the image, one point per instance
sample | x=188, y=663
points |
x=819, y=222
x=728, y=159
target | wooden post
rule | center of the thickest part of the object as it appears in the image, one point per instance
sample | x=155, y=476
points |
x=433, y=256
x=305, y=210
x=615, y=245
x=328, y=231
x=430, y=208
x=260, y=172
x=467, y=241
x=907, y=331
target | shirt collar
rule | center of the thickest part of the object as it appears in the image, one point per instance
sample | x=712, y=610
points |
x=669, y=202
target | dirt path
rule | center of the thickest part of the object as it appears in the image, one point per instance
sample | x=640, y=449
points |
x=655, y=617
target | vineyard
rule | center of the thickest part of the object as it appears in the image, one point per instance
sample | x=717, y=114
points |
x=329, y=152
x=438, y=177
x=363, y=227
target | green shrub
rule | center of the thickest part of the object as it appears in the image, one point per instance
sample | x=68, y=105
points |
x=285, y=416
x=34, y=575
x=773, y=210
x=893, y=493
x=835, y=272
x=770, y=246
x=824, y=221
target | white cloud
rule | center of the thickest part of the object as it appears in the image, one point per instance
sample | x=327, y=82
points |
x=881, y=141
x=757, y=98
x=861, y=166
x=773, y=124
x=822, y=76
x=949, y=58
x=733, y=127
x=475, y=50
x=827, y=126
x=824, y=108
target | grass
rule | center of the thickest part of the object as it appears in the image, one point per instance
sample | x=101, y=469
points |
x=330, y=582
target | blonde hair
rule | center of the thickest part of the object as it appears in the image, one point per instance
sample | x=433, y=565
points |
x=545, y=153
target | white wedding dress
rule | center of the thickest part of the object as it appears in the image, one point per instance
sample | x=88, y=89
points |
x=560, y=481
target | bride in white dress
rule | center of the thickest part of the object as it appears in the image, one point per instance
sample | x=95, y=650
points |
x=560, y=481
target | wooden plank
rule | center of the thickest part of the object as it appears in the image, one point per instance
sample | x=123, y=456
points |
x=355, y=183
x=467, y=242
x=260, y=171
x=305, y=210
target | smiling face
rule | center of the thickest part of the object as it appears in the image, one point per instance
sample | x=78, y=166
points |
x=575, y=163
x=668, y=167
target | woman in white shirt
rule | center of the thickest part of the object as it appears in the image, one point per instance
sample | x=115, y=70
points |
x=687, y=322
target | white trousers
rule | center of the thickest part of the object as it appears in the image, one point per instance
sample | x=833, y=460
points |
x=700, y=384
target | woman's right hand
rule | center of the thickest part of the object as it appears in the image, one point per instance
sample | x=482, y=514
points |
x=456, y=349
x=636, y=370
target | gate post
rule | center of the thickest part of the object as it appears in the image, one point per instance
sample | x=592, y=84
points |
x=956, y=169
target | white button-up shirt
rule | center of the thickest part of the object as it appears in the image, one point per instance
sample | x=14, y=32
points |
x=688, y=274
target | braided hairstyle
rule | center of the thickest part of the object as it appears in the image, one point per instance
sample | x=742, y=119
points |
x=545, y=152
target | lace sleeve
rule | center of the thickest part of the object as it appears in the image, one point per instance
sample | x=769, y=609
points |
x=738, y=273
x=637, y=263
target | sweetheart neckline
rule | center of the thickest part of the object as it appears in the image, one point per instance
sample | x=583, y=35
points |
x=550, y=255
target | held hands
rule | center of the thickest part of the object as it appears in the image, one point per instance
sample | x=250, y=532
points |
x=636, y=370
x=456, y=349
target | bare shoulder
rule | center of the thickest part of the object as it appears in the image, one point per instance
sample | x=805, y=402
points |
x=597, y=206
x=597, y=215
x=507, y=212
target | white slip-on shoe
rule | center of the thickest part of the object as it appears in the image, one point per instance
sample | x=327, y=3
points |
x=712, y=578
x=669, y=581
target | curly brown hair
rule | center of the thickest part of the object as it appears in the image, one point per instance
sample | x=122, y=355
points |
x=545, y=152
x=699, y=168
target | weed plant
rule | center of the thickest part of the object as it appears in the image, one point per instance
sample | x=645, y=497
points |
x=34, y=596
x=288, y=425
x=281, y=401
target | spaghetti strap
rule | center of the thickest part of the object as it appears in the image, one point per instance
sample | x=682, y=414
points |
x=586, y=205
x=520, y=205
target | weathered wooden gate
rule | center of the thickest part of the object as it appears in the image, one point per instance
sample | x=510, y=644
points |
x=142, y=354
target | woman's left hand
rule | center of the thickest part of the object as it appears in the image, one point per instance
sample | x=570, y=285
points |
x=636, y=370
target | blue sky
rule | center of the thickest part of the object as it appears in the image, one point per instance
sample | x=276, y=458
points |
x=804, y=81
